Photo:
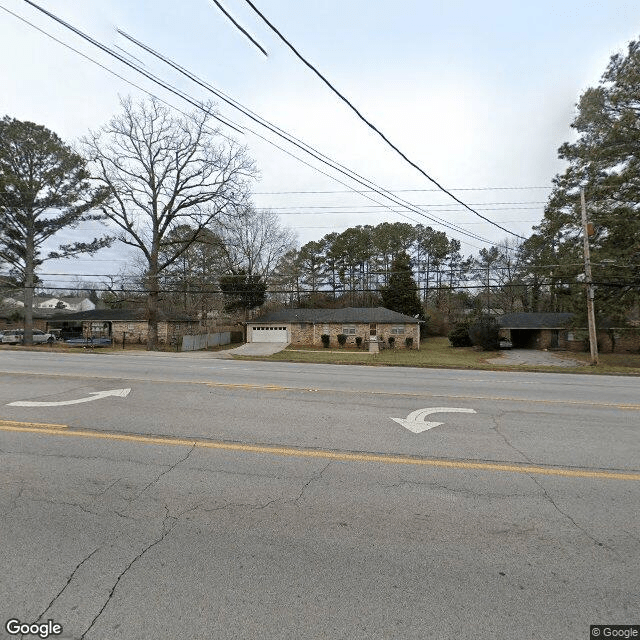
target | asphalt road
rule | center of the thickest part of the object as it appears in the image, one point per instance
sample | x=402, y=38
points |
x=227, y=499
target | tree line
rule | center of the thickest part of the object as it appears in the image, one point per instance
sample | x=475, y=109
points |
x=179, y=191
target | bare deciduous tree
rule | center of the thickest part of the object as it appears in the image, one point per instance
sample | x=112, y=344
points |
x=164, y=170
x=254, y=241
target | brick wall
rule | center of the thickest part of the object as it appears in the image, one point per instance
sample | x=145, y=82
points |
x=303, y=333
x=136, y=332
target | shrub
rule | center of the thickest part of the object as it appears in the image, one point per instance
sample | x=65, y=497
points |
x=392, y=342
x=459, y=335
x=358, y=341
x=408, y=342
x=325, y=340
x=342, y=339
x=485, y=332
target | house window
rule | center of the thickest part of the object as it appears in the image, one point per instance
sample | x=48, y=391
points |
x=397, y=329
x=349, y=329
x=325, y=328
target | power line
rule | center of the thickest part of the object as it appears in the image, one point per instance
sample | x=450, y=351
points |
x=450, y=288
x=410, y=190
x=241, y=29
x=184, y=96
x=187, y=98
x=293, y=140
x=119, y=57
x=370, y=124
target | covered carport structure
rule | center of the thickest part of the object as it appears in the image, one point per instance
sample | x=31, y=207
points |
x=536, y=330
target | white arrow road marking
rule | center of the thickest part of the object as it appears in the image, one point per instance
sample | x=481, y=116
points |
x=95, y=395
x=416, y=422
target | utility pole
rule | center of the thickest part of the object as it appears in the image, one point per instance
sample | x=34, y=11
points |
x=591, y=316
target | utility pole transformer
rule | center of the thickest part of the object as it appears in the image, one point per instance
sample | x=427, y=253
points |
x=591, y=316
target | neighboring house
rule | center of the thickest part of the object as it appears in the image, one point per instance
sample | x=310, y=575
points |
x=62, y=303
x=69, y=303
x=129, y=325
x=536, y=330
x=10, y=318
x=553, y=331
x=306, y=326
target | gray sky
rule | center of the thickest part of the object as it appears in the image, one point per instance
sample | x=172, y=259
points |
x=480, y=95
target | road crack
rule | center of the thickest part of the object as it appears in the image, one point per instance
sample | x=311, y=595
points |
x=67, y=583
x=496, y=428
x=570, y=518
x=443, y=487
x=312, y=479
x=165, y=533
x=166, y=471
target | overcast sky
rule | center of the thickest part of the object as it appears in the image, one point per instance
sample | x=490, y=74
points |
x=479, y=94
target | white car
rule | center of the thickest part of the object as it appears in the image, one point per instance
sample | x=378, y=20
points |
x=16, y=336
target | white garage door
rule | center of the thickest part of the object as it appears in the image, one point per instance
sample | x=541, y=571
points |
x=269, y=334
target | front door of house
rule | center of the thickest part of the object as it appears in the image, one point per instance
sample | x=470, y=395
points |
x=373, y=329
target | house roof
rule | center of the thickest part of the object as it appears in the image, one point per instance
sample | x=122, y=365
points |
x=123, y=315
x=535, y=320
x=379, y=315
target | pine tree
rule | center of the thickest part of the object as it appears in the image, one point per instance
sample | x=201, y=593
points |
x=401, y=294
x=44, y=190
x=604, y=160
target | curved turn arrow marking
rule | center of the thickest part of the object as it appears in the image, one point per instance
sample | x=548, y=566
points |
x=416, y=420
x=95, y=395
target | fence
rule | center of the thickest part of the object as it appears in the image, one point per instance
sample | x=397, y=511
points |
x=195, y=343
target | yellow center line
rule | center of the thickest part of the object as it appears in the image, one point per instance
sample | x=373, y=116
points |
x=31, y=425
x=325, y=454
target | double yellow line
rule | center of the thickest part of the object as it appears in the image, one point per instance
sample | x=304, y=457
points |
x=325, y=454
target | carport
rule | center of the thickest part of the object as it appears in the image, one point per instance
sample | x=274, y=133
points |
x=535, y=330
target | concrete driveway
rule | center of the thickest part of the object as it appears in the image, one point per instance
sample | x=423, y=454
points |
x=257, y=349
x=536, y=358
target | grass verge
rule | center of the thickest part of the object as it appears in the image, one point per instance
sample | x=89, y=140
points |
x=437, y=352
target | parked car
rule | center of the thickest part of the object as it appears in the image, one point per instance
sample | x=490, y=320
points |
x=16, y=336
x=506, y=344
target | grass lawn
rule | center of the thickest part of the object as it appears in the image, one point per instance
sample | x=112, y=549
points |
x=437, y=352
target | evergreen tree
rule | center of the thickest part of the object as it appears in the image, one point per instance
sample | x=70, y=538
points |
x=604, y=160
x=401, y=294
x=243, y=291
x=44, y=190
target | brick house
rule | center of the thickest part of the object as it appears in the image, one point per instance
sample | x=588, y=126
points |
x=128, y=324
x=554, y=331
x=536, y=330
x=306, y=326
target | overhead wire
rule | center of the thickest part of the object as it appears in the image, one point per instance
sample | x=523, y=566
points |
x=369, y=123
x=346, y=291
x=407, y=190
x=292, y=139
x=119, y=57
x=187, y=98
x=240, y=28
